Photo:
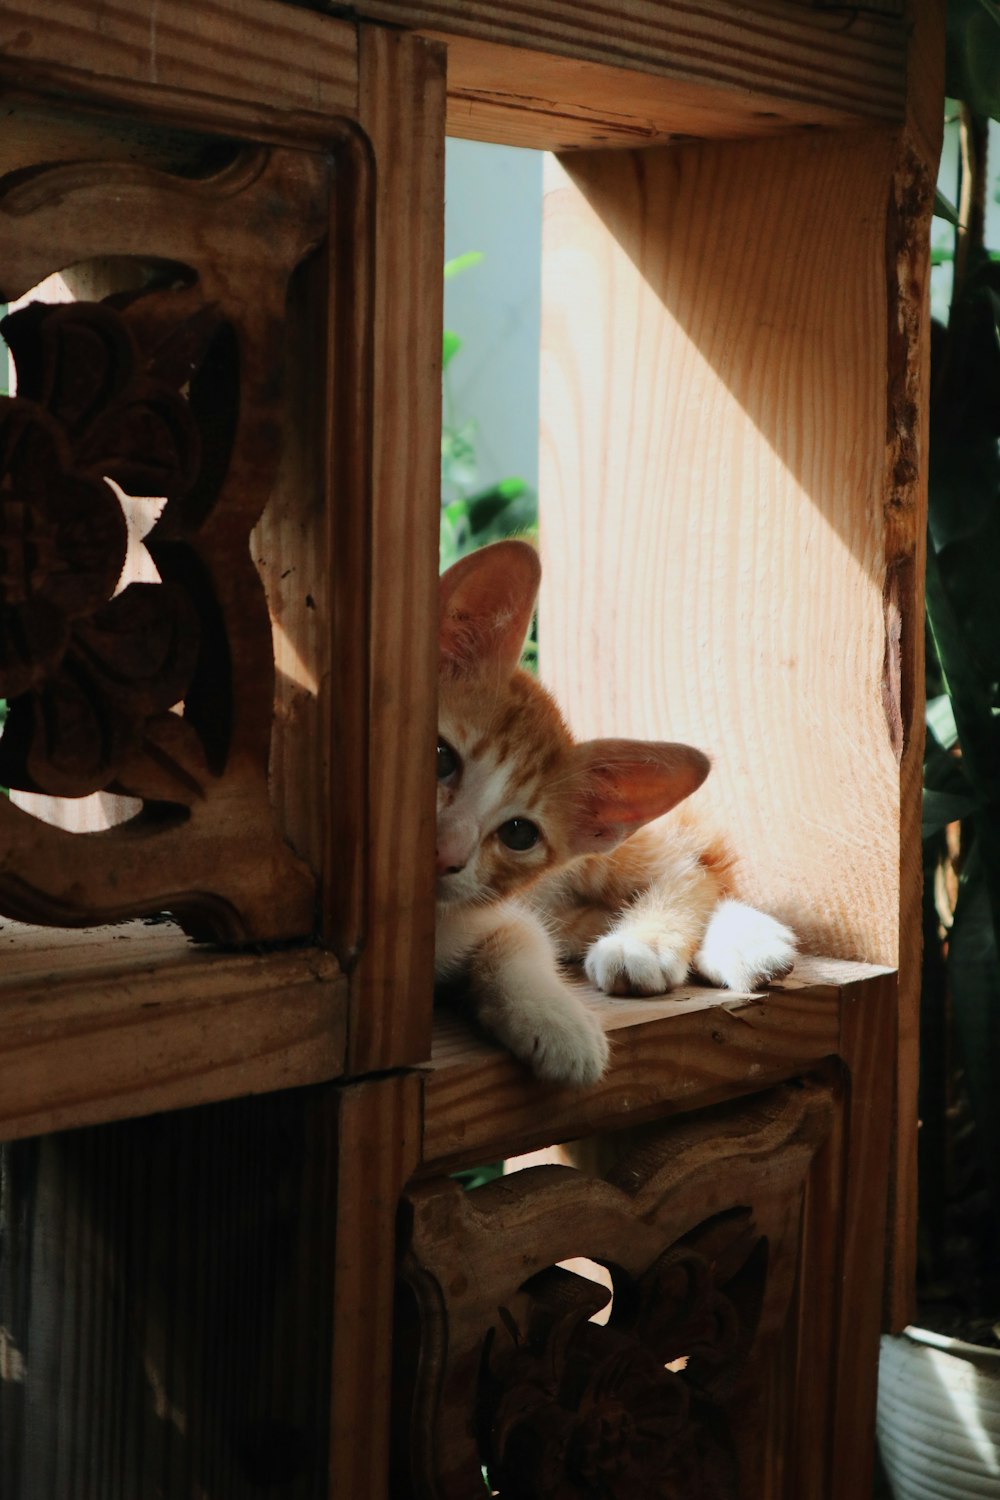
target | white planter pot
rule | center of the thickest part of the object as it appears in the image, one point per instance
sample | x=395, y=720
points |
x=939, y=1417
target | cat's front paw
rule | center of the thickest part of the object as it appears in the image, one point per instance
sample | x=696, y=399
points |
x=572, y=1050
x=559, y=1037
x=744, y=949
x=620, y=964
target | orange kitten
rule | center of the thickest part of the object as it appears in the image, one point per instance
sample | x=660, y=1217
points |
x=542, y=852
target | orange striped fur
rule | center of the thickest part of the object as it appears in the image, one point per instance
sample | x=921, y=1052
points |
x=551, y=849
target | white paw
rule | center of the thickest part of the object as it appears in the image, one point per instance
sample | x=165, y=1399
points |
x=560, y=1039
x=622, y=965
x=744, y=949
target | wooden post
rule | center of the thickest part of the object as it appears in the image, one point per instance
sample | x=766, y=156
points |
x=732, y=489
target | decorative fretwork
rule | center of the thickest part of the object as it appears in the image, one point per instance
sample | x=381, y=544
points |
x=171, y=389
x=698, y=1227
x=89, y=674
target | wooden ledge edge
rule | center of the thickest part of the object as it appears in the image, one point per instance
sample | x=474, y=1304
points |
x=668, y=1055
x=166, y=1026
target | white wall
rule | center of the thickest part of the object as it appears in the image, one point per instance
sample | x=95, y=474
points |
x=494, y=204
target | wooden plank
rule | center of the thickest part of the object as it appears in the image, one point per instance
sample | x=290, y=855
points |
x=841, y=1288
x=378, y=1142
x=402, y=112
x=567, y=73
x=725, y=1185
x=907, y=262
x=668, y=1055
x=713, y=566
x=245, y=54
x=868, y=1044
x=166, y=1286
x=123, y=1021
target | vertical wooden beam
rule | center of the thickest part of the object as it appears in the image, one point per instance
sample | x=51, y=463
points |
x=378, y=1148
x=401, y=109
x=712, y=456
x=841, y=1284
x=907, y=263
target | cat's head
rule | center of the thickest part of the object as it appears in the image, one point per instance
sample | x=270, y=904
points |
x=517, y=796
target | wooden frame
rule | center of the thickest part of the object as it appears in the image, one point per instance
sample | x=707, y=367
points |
x=772, y=384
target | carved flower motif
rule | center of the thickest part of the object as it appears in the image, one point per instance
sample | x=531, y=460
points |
x=84, y=670
x=571, y=1410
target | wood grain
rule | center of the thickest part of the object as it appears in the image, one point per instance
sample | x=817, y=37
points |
x=378, y=1141
x=708, y=1191
x=713, y=559
x=248, y=54
x=843, y=1260
x=907, y=252
x=166, y=1284
x=402, y=113
x=868, y=1045
x=557, y=74
x=221, y=862
x=668, y=1055
x=114, y=1022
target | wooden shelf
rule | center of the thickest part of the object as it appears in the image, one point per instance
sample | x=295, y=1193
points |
x=679, y=1053
x=553, y=76
x=112, y=1022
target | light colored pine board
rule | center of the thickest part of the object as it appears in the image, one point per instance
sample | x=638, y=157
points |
x=668, y=1055
x=402, y=112
x=568, y=73
x=713, y=446
x=733, y=489
x=377, y=1145
x=225, y=54
x=122, y=1021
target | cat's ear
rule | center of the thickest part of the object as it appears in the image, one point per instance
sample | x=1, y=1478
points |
x=487, y=600
x=626, y=783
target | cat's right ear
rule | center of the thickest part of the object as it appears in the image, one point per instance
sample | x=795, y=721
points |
x=487, y=600
x=623, y=784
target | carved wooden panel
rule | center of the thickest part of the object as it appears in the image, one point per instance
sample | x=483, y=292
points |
x=501, y=1367
x=169, y=390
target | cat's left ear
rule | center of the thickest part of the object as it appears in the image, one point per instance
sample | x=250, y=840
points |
x=626, y=783
x=487, y=600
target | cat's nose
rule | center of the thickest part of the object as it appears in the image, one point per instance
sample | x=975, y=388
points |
x=443, y=867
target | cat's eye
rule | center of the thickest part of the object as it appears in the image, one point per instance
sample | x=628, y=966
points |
x=447, y=761
x=519, y=834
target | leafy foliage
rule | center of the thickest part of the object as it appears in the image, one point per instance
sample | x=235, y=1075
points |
x=471, y=517
x=961, y=824
x=972, y=59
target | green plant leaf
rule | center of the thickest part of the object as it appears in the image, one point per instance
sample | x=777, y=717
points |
x=966, y=684
x=943, y=209
x=942, y=808
x=474, y=1177
x=972, y=55
x=460, y=263
x=450, y=345
x=941, y=721
x=509, y=508
x=974, y=981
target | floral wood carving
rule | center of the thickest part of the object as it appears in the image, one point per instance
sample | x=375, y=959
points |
x=163, y=691
x=700, y=1232
x=89, y=674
